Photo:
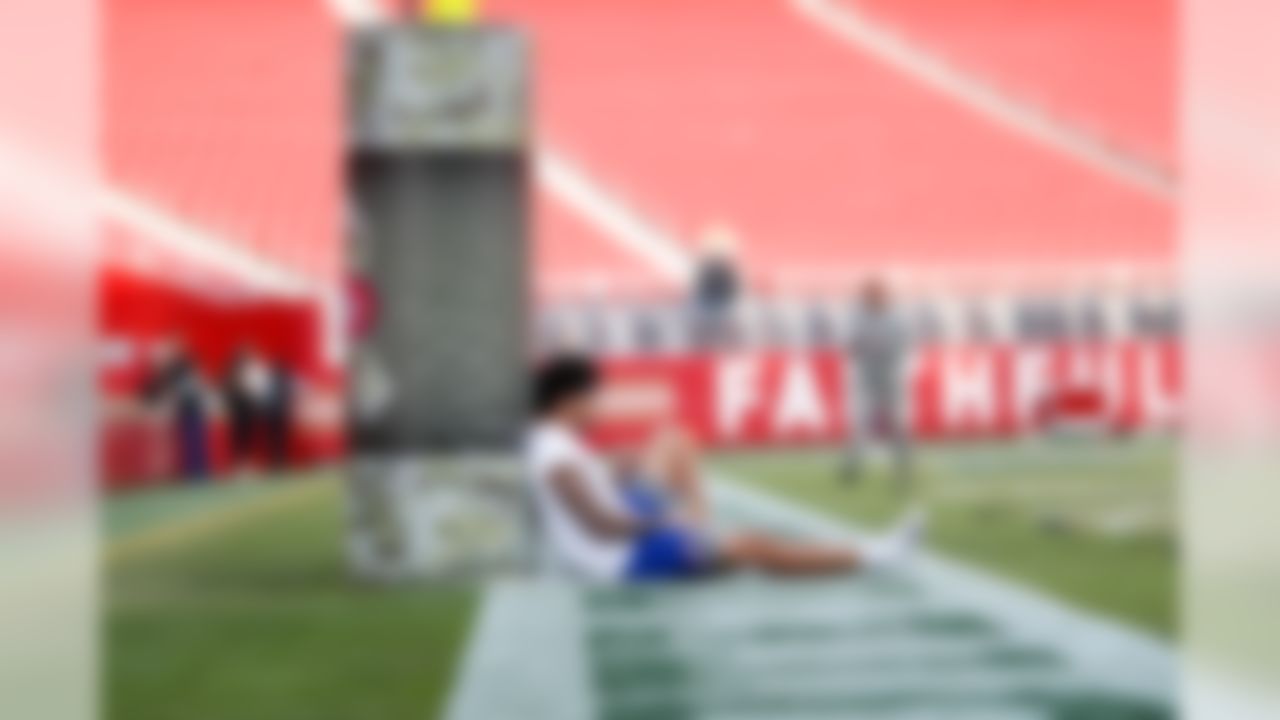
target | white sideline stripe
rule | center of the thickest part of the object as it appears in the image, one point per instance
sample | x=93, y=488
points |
x=527, y=636
x=499, y=677
x=1085, y=636
x=856, y=29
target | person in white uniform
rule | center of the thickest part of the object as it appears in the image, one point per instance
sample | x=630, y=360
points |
x=649, y=521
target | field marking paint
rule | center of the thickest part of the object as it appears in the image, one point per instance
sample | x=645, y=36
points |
x=191, y=527
x=528, y=634
x=878, y=41
x=1077, y=632
x=527, y=655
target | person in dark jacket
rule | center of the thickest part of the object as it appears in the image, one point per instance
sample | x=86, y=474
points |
x=278, y=417
x=244, y=391
x=716, y=289
x=176, y=385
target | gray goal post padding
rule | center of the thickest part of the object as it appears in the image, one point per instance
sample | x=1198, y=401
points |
x=437, y=205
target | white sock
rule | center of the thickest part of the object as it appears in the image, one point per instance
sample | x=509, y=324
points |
x=897, y=546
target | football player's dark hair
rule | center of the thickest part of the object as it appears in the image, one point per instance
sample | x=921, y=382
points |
x=562, y=378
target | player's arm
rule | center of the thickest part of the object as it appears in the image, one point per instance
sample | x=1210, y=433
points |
x=603, y=522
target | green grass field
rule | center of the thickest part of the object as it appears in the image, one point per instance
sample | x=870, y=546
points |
x=1092, y=524
x=232, y=601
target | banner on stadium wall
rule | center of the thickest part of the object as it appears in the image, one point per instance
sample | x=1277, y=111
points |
x=950, y=392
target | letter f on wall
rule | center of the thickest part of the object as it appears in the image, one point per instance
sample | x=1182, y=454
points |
x=737, y=392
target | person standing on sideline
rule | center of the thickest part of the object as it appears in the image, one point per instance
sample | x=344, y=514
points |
x=278, y=414
x=716, y=287
x=244, y=389
x=176, y=386
x=878, y=356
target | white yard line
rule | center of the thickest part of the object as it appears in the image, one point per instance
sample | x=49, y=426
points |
x=527, y=658
x=1075, y=631
x=846, y=22
x=527, y=636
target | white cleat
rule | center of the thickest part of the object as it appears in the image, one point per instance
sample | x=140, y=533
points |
x=898, y=546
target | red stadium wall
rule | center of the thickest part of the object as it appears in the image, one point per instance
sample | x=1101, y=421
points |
x=747, y=400
x=141, y=311
x=954, y=393
x=137, y=312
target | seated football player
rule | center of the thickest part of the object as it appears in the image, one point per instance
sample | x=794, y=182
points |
x=646, y=517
